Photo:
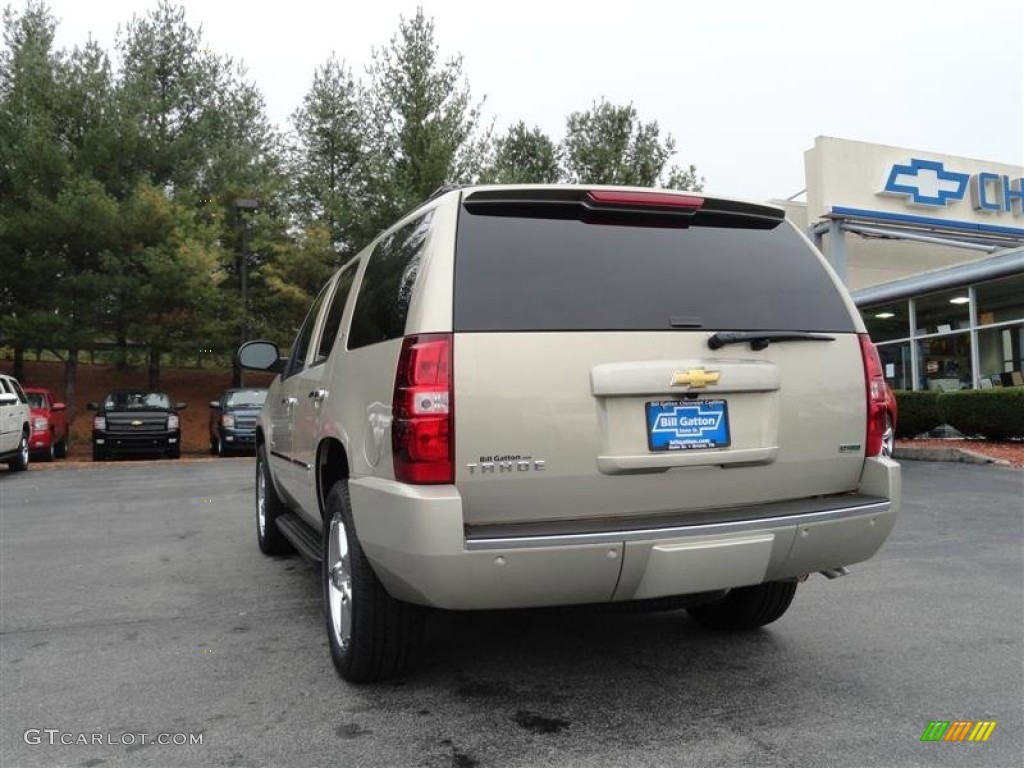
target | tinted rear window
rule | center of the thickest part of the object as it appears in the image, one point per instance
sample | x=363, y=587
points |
x=538, y=274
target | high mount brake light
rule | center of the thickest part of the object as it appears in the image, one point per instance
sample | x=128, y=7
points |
x=422, y=429
x=874, y=382
x=644, y=199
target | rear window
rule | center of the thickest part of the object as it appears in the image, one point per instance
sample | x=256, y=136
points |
x=36, y=399
x=516, y=273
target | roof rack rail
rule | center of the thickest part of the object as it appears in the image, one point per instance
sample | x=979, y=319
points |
x=446, y=187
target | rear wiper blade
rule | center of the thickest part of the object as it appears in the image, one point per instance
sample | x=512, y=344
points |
x=761, y=339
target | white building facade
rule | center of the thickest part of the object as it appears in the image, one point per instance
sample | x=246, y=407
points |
x=932, y=247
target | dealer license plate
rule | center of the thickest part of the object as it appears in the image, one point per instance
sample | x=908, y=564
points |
x=680, y=425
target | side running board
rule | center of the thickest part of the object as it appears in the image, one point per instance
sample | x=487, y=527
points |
x=302, y=537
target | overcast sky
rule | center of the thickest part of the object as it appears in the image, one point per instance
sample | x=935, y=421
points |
x=744, y=86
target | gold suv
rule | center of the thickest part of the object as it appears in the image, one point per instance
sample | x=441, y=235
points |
x=554, y=395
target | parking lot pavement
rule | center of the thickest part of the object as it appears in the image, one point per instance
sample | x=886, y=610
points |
x=135, y=601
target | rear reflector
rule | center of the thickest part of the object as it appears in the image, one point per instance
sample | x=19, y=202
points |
x=422, y=434
x=644, y=199
x=874, y=381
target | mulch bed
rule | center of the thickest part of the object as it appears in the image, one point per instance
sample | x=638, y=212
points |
x=1011, y=451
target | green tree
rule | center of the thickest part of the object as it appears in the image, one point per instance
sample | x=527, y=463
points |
x=328, y=157
x=609, y=144
x=76, y=232
x=294, y=272
x=198, y=130
x=32, y=170
x=427, y=128
x=523, y=156
x=170, y=267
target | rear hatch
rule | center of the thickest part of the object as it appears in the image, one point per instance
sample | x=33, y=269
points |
x=623, y=354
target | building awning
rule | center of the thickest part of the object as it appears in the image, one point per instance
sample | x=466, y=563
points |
x=1003, y=264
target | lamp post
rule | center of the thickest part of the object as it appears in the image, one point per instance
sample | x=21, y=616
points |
x=243, y=204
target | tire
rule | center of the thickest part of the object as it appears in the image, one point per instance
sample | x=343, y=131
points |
x=61, y=450
x=46, y=455
x=372, y=636
x=174, y=453
x=747, y=607
x=98, y=454
x=222, y=449
x=214, y=446
x=888, y=437
x=20, y=462
x=268, y=508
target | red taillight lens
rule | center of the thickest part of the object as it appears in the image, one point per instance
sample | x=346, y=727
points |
x=874, y=381
x=645, y=199
x=422, y=434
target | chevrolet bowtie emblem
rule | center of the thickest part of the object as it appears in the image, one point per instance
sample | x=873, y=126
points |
x=695, y=378
x=136, y=423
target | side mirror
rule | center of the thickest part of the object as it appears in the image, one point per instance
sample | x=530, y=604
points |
x=215, y=404
x=261, y=356
x=58, y=407
x=180, y=406
x=8, y=398
x=92, y=406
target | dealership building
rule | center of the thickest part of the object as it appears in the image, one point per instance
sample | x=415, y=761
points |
x=932, y=248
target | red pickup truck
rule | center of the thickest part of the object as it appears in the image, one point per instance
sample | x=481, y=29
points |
x=49, y=424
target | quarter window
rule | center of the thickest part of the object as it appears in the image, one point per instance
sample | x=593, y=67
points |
x=383, y=301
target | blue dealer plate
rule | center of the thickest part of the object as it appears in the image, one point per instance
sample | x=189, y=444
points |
x=679, y=425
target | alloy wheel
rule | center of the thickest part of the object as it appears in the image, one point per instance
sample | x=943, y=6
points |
x=339, y=584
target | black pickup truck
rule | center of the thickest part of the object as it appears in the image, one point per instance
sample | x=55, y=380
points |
x=132, y=421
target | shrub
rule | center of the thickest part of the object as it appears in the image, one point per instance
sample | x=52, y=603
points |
x=997, y=414
x=918, y=412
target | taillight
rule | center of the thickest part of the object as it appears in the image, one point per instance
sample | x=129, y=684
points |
x=874, y=381
x=422, y=429
x=645, y=199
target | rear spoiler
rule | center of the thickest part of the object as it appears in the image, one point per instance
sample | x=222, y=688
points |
x=628, y=207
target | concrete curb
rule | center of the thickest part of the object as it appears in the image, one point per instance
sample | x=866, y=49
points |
x=946, y=454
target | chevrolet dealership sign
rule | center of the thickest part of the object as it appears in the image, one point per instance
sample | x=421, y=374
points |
x=929, y=184
x=874, y=182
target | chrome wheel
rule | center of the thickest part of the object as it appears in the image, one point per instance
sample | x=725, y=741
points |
x=23, y=459
x=888, y=437
x=261, y=500
x=338, y=574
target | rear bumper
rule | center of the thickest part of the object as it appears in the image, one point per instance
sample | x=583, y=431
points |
x=415, y=539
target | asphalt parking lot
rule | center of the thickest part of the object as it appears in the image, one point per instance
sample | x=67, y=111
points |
x=134, y=601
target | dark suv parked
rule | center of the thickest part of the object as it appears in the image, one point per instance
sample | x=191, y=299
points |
x=233, y=420
x=136, y=421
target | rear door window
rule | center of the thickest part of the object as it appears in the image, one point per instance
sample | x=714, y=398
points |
x=297, y=359
x=333, y=322
x=382, y=304
x=525, y=273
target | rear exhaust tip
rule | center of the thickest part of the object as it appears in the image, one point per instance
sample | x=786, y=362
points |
x=835, y=573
